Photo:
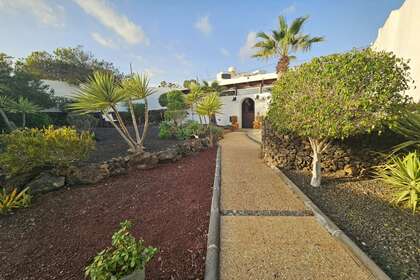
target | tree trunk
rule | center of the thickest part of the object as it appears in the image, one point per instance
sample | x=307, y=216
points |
x=130, y=144
x=134, y=120
x=23, y=119
x=317, y=148
x=9, y=125
x=146, y=123
x=282, y=65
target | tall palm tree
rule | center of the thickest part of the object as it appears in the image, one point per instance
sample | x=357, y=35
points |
x=24, y=106
x=285, y=41
x=209, y=106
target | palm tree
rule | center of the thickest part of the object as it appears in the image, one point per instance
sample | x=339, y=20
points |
x=5, y=103
x=24, y=106
x=194, y=96
x=285, y=41
x=103, y=93
x=137, y=87
x=209, y=106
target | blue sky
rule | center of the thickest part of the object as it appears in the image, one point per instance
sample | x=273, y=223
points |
x=174, y=40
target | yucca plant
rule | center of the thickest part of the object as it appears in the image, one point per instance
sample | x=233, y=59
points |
x=13, y=200
x=409, y=127
x=102, y=93
x=5, y=103
x=403, y=174
x=209, y=106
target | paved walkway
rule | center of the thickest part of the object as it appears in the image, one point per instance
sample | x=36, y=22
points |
x=266, y=232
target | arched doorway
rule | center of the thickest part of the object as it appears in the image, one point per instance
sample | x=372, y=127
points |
x=248, y=112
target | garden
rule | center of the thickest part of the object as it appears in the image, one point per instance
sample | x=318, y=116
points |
x=82, y=200
x=340, y=129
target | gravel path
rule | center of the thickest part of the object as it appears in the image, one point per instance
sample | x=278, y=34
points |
x=272, y=236
x=361, y=208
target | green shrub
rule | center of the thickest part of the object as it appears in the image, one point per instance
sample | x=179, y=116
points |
x=26, y=149
x=404, y=175
x=409, y=127
x=14, y=200
x=82, y=123
x=124, y=257
x=165, y=130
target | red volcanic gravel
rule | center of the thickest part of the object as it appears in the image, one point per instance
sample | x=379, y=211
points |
x=59, y=234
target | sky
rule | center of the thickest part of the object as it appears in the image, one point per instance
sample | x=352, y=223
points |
x=175, y=40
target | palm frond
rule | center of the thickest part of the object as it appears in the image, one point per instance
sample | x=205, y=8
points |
x=137, y=87
x=297, y=24
x=283, y=24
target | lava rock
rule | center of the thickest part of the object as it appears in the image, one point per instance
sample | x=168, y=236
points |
x=46, y=182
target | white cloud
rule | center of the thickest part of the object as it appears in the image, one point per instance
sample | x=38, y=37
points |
x=154, y=72
x=288, y=10
x=120, y=24
x=224, y=52
x=45, y=11
x=180, y=57
x=106, y=42
x=203, y=25
x=247, y=50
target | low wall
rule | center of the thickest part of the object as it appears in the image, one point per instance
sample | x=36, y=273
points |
x=355, y=156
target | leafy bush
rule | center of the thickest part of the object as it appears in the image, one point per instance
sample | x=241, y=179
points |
x=124, y=257
x=14, y=200
x=165, y=130
x=27, y=149
x=340, y=95
x=404, y=175
x=82, y=122
x=176, y=106
x=33, y=120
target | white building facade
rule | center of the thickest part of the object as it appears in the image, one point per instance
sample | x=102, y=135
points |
x=400, y=35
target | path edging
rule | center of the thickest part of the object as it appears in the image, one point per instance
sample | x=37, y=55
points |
x=213, y=237
x=334, y=230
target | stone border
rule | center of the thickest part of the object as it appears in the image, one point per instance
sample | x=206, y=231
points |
x=335, y=231
x=213, y=237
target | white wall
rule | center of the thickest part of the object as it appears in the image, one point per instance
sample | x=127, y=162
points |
x=401, y=35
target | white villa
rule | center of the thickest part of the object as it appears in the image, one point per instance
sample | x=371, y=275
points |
x=400, y=34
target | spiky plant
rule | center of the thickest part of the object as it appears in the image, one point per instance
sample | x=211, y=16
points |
x=209, y=106
x=284, y=41
x=103, y=93
x=13, y=200
x=409, y=127
x=194, y=96
x=403, y=174
x=23, y=106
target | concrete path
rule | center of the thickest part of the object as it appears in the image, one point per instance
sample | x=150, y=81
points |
x=266, y=232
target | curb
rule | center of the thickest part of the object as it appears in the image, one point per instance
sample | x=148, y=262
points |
x=213, y=237
x=335, y=231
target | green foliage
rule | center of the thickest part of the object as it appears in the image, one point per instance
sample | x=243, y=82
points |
x=124, y=257
x=36, y=120
x=284, y=41
x=28, y=149
x=73, y=65
x=14, y=200
x=409, y=127
x=166, y=130
x=209, y=105
x=16, y=81
x=404, y=175
x=23, y=106
x=163, y=100
x=82, y=123
x=176, y=106
x=340, y=95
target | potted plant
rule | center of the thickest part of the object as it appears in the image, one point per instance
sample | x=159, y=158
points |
x=125, y=260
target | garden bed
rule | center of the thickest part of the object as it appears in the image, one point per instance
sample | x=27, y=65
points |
x=109, y=143
x=388, y=234
x=169, y=206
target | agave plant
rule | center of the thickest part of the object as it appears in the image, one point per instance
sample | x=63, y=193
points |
x=403, y=174
x=14, y=200
x=103, y=93
x=409, y=127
